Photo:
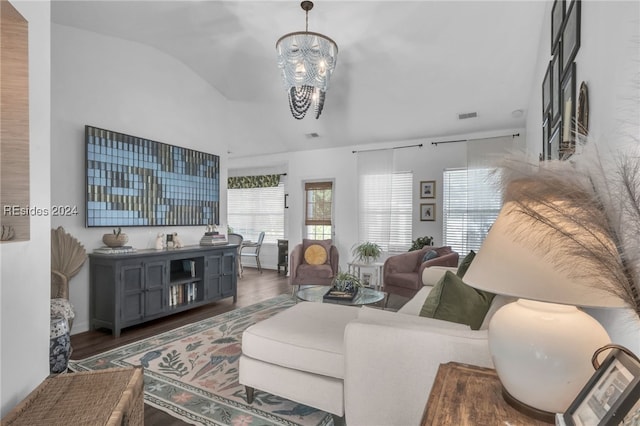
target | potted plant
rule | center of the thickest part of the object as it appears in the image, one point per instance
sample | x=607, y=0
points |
x=367, y=252
x=418, y=243
x=343, y=287
x=347, y=282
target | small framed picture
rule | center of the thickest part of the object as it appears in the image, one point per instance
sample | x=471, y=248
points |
x=582, y=110
x=545, y=138
x=568, y=96
x=428, y=189
x=427, y=212
x=570, y=35
x=554, y=142
x=557, y=18
x=610, y=395
x=366, y=279
x=556, y=72
x=546, y=92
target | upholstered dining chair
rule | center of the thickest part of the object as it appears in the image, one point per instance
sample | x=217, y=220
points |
x=236, y=239
x=314, y=262
x=255, y=247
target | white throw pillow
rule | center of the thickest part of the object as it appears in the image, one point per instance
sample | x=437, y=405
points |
x=432, y=274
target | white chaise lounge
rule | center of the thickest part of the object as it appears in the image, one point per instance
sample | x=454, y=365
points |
x=371, y=366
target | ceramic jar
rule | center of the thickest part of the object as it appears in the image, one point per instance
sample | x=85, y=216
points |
x=59, y=345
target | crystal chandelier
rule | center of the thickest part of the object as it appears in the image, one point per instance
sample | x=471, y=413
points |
x=307, y=60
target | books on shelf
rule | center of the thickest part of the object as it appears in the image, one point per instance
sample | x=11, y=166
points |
x=183, y=293
x=213, y=239
x=189, y=266
x=114, y=250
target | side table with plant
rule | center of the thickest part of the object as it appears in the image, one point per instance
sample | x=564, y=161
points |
x=366, y=252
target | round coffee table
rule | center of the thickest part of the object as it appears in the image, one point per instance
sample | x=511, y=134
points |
x=365, y=296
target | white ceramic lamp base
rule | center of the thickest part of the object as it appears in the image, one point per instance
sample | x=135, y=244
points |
x=542, y=352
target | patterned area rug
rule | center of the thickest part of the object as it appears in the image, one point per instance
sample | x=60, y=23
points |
x=192, y=372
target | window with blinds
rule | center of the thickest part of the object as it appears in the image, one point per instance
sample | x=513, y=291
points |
x=318, y=210
x=471, y=203
x=252, y=210
x=385, y=210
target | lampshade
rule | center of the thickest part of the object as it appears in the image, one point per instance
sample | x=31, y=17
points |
x=522, y=257
x=546, y=248
x=307, y=60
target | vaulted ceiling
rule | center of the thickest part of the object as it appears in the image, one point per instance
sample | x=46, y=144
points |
x=405, y=70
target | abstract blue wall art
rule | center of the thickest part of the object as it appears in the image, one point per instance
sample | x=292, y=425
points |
x=133, y=181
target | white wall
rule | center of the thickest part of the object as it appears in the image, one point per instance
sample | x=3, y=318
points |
x=134, y=89
x=608, y=61
x=25, y=277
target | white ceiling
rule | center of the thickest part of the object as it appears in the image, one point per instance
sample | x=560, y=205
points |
x=405, y=69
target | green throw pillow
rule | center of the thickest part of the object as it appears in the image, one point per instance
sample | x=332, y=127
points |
x=452, y=300
x=466, y=262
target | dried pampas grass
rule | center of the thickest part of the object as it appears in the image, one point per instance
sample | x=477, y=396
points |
x=591, y=205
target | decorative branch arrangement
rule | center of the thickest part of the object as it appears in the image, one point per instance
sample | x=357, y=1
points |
x=592, y=206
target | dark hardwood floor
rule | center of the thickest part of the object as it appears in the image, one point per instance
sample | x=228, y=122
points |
x=253, y=287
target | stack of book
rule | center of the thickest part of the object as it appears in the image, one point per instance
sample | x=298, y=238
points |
x=213, y=239
x=114, y=250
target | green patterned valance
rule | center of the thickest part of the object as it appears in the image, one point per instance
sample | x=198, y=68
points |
x=263, y=181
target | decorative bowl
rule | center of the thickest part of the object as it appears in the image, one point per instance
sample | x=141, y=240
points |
x=113, y=240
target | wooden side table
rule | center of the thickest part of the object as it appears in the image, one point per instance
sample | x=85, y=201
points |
x=469, y=395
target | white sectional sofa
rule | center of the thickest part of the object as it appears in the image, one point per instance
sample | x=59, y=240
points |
x=378, y=366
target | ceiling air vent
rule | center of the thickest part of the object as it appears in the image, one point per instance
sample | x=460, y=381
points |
x=466, y=115
x=312, y=135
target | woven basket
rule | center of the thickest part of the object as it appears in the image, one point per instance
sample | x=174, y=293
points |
x=112, y=240
x=110, y=397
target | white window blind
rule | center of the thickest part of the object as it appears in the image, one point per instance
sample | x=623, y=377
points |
x=252, y=210
x=468, y=211
x=385, y=207
x=472, y=198
x=318, y=210
x=401, y=225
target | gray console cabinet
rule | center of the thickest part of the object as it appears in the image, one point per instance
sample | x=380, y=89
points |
x=131, y=288
x=221, y=274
